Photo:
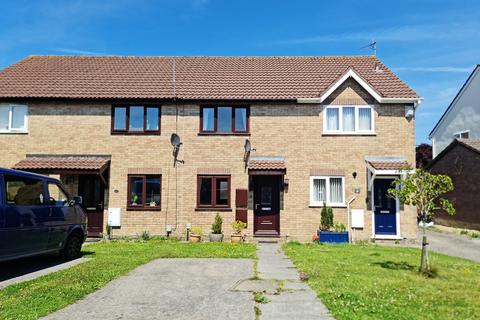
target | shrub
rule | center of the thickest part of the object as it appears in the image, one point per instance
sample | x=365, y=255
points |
x=217, y=225
x=326, y=221
x=196, y=230
x=145, y=235
x=238, y=226
x=339, y=227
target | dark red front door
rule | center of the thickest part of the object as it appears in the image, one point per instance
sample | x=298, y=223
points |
x=266, y=201
x=91, y=189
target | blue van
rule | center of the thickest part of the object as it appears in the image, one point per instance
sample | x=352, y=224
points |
x=38, y=216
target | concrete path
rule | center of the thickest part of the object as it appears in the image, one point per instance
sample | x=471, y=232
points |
x=171, y=289
x=293, y=299
x=453, y=245
x=22, y=270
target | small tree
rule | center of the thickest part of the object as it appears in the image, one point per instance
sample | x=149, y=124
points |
x=326, y=218
x=424, y=190
x=217, y=225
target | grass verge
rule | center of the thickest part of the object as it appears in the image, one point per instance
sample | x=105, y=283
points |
x=378, y=282
x=110, y=260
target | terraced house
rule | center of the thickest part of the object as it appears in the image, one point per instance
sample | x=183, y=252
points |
x=332, y=130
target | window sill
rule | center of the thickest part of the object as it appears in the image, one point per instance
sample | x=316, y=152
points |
x=242, y=134
x=142, y=133
x=13, y=132
x=214, y=209
x=328, y=205
x=144, y=209
x=349, y=134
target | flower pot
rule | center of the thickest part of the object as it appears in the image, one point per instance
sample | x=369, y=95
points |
x=333, y=237
x=236, y=238
x=215, y=237
x=195, y=238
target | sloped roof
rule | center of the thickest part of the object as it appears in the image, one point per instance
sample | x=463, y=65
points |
x=471, y=144
x=241, y=78
x=62, y=162
x=389, y=165
x=267, y=163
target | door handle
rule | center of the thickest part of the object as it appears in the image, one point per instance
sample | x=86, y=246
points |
x=256, y=206
x=50, y=212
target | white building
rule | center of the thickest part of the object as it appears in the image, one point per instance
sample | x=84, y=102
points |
x=462, y=117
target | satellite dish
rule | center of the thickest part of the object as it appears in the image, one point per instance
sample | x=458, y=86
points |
x=248, y=146
x=175, y=140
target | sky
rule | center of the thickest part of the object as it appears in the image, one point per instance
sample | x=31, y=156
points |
x=432, y=45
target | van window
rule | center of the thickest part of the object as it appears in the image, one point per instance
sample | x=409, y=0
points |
x=57, y=196
x=23, y=191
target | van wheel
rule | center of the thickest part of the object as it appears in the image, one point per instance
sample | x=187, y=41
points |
x=72, y=247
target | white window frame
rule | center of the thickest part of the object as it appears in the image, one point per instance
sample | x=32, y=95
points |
x=459, y=134
x=314, y=203
x=10, y=119
x=340, y=131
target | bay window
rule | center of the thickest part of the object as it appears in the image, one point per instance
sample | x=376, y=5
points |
x=13, y=118
x=348, y=119
x=328, y=190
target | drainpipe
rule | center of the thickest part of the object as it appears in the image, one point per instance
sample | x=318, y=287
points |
x=348, y=218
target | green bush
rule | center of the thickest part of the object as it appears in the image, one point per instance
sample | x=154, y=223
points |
x=326, y=221
x=339, y=227
x=197, y=231
x=238, y=226
x=217, y=225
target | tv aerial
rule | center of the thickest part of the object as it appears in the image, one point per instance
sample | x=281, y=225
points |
x=176, y=143
x=248, y=149
x=373, y=46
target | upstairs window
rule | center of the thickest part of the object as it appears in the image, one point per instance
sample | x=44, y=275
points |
x=136, y=119
x=348, y=120
x=13, y=118
x=462, y=134
x=224, y=120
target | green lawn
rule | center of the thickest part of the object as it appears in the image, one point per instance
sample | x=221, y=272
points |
x=378, y=282
x=110, y=260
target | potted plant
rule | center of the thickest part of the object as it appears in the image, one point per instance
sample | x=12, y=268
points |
x=325, y=234
x=237, y=227
x=196, y=234
x=216, y=235
x=152, y=202
x=134, y=199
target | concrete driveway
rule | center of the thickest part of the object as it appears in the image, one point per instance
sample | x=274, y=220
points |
x=171, y=289
x=453, y=245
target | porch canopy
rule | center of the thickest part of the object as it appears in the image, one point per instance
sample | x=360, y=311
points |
x=65, y=164
x=386, y=166
x=267, y=166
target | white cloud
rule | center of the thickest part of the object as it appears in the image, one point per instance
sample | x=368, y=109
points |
x=80, y=52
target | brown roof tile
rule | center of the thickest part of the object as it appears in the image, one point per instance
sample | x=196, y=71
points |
x=389, y=165
x=254, y=78
x=267, y=163
x=67, y=162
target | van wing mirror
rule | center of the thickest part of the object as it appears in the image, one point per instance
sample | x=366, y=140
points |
x=77, y=200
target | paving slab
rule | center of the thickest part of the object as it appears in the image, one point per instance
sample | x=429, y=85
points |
x=295, y=300
x=171, y=289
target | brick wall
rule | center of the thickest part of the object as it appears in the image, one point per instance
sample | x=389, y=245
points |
x=462, y=165
x=290, y=130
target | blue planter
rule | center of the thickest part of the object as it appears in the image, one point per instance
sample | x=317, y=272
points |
x=333, y=237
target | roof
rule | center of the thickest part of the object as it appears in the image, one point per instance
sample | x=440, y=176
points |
x=194, y=78
x=471, y=144
x=450, y=107
x=267, y=163
x=389, y=165
x=63, y=162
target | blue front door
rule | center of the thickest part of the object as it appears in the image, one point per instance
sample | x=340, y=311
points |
x=385, y=208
